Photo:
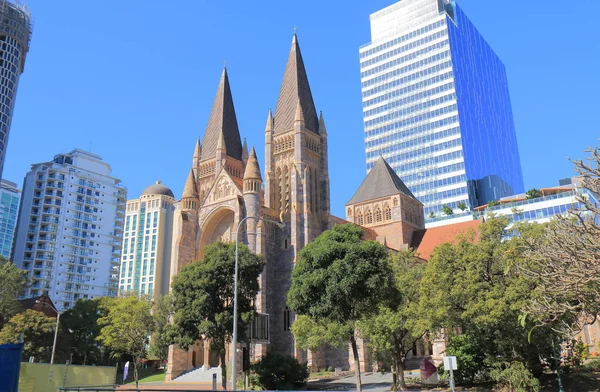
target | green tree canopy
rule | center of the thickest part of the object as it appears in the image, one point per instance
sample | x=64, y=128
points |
x=82, y=323
x=126, y=325
x=533, y=193
x=447, y=210
x=162, y=310
x=339, y=278
x=38, y=334
x=13, y=282
x=203, y=297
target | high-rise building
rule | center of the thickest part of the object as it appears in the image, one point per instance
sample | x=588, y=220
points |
x=9, y=205
x=146, y=255
x=436, y=106
x=70, y=228
x=15, y=33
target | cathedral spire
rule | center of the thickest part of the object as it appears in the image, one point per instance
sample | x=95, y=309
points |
x=245, y=152
x=322, y=129
x=197, y=151
x=252, y=171
x=299, y=117
x=269, y=126
x=222, y=124
x=190, y=191
x=295, y=88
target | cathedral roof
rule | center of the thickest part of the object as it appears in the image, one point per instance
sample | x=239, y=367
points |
x=295, y=91
x=158, y=189
x=190, y=190
x=222, y=123
x=252, y=169
x=381, y=181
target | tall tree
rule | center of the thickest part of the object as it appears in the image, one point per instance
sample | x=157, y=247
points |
x=395, y=329
x=533, y=193
x=162, y=310
x=203, y=298
x=13, y=282
x=82, y=323
x=126, y=326
x=339, y=278
x=38, y=334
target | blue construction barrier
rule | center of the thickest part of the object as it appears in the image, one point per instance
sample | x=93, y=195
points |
x=10, y=364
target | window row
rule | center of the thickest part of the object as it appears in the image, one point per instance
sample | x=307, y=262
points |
x=404, y=140
x=401, y=165
x=424, y=175
x=433, y=185
x=377, y=217
x=412, y=109
x=415, y=119
x=437, y=197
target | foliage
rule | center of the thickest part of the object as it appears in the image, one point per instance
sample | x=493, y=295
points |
x=470, y=357
x=576, y=353
x=470, y=287
x=593, y=365
x=13, y=282
x=515, y=376
x=38, y=334
x=203, y=298
x=280, y=372
x=447, y=210
x=126, y=324
x=431, y=214
x=533, y=193
x=462, y=206
x=394, y=330
x=312, y=334
x=162, y=310
x=339, y=278
x=82, y=323
x=493, y=203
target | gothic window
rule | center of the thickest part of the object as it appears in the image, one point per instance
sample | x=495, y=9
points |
x=369, y=215
x=388, y=213
x=349, y=212
x=286, y=181
x=395, y=202
x=378, y=215
x=279, y=189
x=359, y=219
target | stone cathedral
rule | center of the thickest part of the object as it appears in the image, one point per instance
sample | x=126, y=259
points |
x=225, y=185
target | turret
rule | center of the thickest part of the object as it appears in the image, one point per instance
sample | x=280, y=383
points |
x=189, y=199
x=269, y=169
x=245, y=152
x=252, y=187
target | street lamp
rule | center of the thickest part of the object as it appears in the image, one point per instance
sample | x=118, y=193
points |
x=281, y=225
x=37, y=301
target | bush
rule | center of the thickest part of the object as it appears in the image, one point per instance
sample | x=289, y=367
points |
x=593, y=365
x=280, y=372
x=469, y=357
x=516, y=377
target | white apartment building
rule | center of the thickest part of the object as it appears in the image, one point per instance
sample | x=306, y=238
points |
x=69, y=228
x=9, y=205
x=146, y=256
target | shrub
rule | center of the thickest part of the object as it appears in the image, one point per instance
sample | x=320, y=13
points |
x=515, y=377
x=280, y=372
x=469, y=357
x=593, y=365
x=447, y=210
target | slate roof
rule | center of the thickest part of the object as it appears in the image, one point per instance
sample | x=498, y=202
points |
x=222, y=120
x=295, y=87
x=381, y=181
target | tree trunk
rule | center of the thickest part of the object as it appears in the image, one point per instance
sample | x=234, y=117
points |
x=400, y=367
x=394, y=377
x=135, y=373
x=356, y=363
x=223, y=370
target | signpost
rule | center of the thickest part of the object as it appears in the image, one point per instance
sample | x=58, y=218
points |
x=450, y=365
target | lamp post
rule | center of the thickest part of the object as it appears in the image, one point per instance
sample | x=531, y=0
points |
x=55, y=330
x=281, y=225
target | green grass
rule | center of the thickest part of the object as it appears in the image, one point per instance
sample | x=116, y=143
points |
x=156, y=377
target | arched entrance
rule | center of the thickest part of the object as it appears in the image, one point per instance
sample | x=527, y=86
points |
x=218, y=227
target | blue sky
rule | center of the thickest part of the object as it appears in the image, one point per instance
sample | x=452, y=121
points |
x=134, y=80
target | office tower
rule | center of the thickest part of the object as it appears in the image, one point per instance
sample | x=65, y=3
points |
x=436, y=106
x=9, y=205
x=146, y=255
x=15, y=33
x=70, y=227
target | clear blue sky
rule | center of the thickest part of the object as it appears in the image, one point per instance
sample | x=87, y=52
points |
x=134, y=80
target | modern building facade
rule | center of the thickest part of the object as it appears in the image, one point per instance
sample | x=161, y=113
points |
x=15, y=34
x=436, y=106
x=70, y=228
x=146, y=252
x=9, y=206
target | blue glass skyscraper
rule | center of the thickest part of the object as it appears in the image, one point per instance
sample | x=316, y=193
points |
x=436, y=106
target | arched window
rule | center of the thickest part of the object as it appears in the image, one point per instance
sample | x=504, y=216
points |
x=388, y=213
x=359, y=219
x=349, y=211
x=395, y=202
x=369, y=217
x=378, y=215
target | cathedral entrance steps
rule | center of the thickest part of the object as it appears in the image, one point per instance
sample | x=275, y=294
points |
x=200, y=375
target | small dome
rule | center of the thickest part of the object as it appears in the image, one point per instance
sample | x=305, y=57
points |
x=158, y=189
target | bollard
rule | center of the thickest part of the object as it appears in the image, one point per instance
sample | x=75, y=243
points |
x=214, y=381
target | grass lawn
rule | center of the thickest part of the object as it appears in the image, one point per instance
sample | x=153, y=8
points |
x=156, y=377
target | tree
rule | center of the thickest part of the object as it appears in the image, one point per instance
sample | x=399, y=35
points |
x=38, y=334
x=13, y=282
x=280, y=372
x=82, y=323
x=493, y=203
x=338, y=279
x=395, y=329
x=203, y=298
x=447, y=210
x=533, y=193
x=162, y=310
x=462, y=206
x=126, y=326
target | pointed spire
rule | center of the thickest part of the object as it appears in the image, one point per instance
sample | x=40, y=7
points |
x=252, y=171
x=190, y=190
x=322, y=129
x=222, y=124
x=269, y=126
x=295, y=87
x=245, y=151
x=198, y=149
x=221, y=143
x=299, y=112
